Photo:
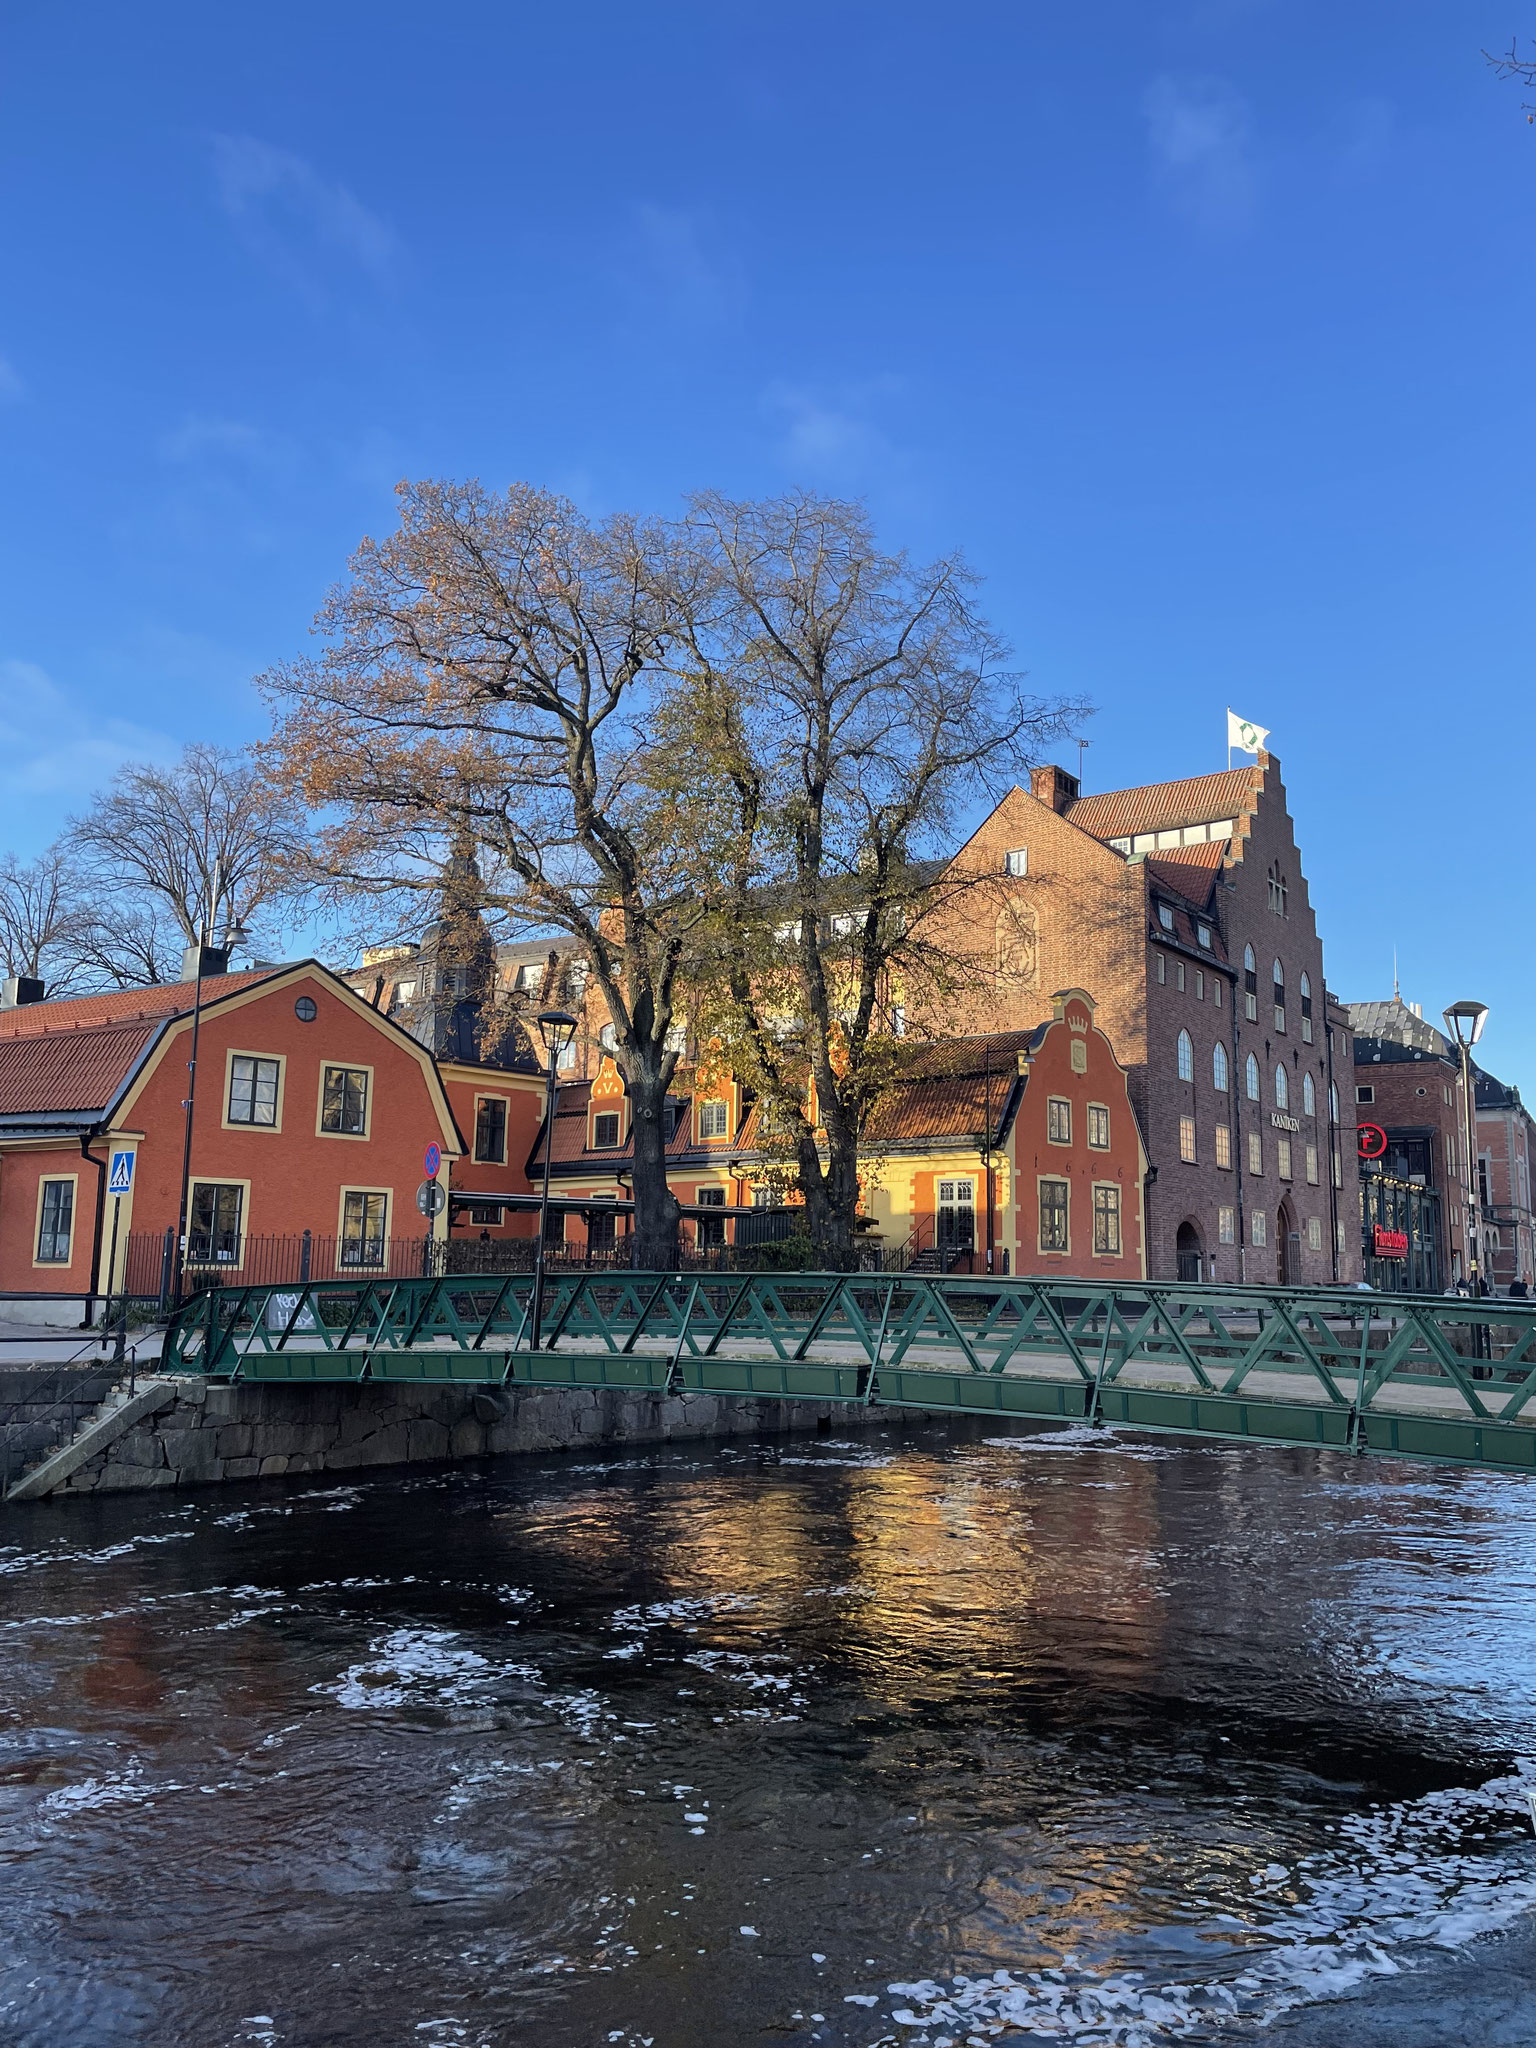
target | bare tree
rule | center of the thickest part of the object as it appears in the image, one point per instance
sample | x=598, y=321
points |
x=488, y=669
x=45, y=925
x=850, y=703
x=203, y=846
x=1513, y=65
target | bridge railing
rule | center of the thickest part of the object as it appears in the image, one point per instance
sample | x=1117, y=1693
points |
x=1319, y=1365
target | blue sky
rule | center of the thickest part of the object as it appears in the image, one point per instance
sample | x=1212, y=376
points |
x=1204, y=330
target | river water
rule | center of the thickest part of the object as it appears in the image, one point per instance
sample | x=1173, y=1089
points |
x=916, y=1737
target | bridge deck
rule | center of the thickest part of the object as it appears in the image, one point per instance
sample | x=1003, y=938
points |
x=1413, y=1376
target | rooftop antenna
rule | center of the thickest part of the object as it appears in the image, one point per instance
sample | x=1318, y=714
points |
x=1082, y=748
x=1397, y=994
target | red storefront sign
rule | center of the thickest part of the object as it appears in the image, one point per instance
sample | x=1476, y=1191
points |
x=1372, y=1140
x=1390, y=1244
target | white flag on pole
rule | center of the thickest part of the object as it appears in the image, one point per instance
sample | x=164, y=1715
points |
x=1244, y=735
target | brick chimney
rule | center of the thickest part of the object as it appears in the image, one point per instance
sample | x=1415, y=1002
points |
x=1054, y=786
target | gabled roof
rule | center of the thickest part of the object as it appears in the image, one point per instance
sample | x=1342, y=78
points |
x=124, y=1006
x=1160, y=806
x=71, y=1073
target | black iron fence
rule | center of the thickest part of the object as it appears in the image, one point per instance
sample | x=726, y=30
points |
x=764, y=1242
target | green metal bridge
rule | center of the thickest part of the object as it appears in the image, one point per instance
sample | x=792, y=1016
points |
x=1405, y=1375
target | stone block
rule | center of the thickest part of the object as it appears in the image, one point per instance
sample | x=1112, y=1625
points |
x=195, y=1458
x=84, y=1480
x=131, y=1478
x=467, y=1438
x=274, y=1467
x=426, y=1441
x=234, y=1439
x=222, y=1404
x=140, y=1448
x=241, y=1468
x=194, y=1394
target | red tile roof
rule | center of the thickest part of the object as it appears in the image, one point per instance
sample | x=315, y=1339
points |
x=1188, y=872
x=957, y=1107
x=54, y=1073
x=1159, y=806
x=121, y=1006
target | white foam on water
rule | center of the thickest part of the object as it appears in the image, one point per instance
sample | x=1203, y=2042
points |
x=39, y=1560
x=94, y=1795
x=419, y=1666
x=1400, y=1880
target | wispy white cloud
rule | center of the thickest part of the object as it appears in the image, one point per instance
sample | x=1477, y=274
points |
x=829, y=436
x=11, y=386
x=1200, y=131
x=292, y=215
x=54, y=751
x=200, y=438
x=680, y=269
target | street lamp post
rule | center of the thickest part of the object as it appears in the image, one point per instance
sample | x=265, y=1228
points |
x=557, y=1028
x=1464, y=1022
x=233, y=936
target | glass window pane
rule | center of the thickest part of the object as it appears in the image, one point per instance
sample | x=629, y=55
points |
x=56, y=1222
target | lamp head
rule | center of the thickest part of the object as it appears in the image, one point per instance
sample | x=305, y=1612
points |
x=557, y=1028
x=1464, y=1021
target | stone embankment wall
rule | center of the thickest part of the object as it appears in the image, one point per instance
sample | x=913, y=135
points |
x=202, y=1433
x=41, y=1407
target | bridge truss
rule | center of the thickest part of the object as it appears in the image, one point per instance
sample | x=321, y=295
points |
x=1408, y=1376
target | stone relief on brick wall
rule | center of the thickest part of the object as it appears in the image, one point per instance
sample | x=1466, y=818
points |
x=1018, y=945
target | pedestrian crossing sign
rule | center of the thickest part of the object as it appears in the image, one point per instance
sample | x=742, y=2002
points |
x=120, y=1180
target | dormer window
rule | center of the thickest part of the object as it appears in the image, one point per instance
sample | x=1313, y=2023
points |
x=1016, y=862
x=714, y=1120
x=1165, y=917
x=1203, y=934
x=606, y=1127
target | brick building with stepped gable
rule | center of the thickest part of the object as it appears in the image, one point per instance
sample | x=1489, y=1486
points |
x=1182, y=907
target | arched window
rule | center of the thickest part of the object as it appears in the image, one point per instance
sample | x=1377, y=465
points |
x=1308, y=1095
x=1249, y=963
x=1250, y=986
x=1306, y=1008
x=1306, y=988
x=1333, y=1102
x=1282, y=1089
x=1186, y=1057
x=1219, y=1066
x=1279, y=997
x=1279, y=975
x=1252, y=1072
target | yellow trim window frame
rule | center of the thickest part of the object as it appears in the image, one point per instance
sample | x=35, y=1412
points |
x=345, y=1108
x=53, y=1239
x=217, y=1221
x=1055, y=1197
x=491, y=1130
x=1106, y=1219
x=253, y=1091
x=362, y=1233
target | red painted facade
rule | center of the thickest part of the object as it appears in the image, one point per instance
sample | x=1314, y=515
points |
x=266, y=1128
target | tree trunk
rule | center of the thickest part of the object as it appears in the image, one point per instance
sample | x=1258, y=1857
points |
x=655, y=1232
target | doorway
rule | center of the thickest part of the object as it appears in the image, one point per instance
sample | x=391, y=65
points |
x=1289, y=1247
x=1191, y=1252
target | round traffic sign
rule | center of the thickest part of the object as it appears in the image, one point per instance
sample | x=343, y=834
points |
x=431, y=1198
x=433, y=1161
x=1372, y=1140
